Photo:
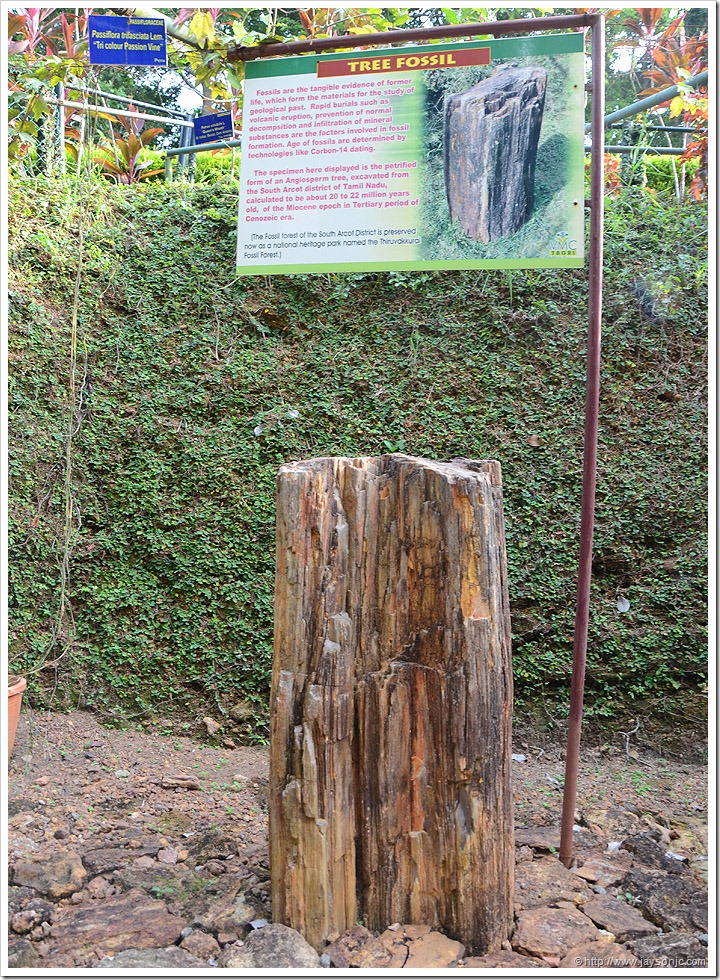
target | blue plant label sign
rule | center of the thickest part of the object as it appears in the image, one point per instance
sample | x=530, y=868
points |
x=213, y=127
x=127, y=41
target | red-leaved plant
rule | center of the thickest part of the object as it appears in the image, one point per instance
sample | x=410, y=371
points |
x=120, y=158
x=676, y=58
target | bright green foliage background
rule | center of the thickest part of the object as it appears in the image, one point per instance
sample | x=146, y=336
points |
x=193, y=382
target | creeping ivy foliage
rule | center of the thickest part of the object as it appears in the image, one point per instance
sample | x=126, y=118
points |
x=194, y=387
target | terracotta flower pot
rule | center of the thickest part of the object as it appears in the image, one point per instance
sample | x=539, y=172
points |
x=16, y=686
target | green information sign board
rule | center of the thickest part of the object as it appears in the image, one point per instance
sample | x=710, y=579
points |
x=454, y=156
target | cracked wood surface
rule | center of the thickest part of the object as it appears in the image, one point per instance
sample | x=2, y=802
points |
x=391, y=699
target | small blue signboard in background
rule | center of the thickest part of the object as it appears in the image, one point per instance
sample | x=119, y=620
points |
x=127, y=41
x=213, y=127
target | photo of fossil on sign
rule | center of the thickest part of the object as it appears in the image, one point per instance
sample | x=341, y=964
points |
x=491, y=138
x=504, y=159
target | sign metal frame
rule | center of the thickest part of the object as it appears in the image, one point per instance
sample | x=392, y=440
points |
x=596, y=23
x=324, y=134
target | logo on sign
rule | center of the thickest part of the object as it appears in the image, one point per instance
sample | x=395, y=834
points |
x=564, y=245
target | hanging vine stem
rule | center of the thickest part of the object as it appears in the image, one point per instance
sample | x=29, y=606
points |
x=68, y=497
x=64, y=614
x=64, y=625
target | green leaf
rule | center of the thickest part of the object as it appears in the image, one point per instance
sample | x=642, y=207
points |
x=677, y=105
x=202, y=25
x=40, y=107
x=27, y=126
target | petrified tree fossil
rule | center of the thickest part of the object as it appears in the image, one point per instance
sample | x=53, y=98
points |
x=391, y=699
x=491, y=140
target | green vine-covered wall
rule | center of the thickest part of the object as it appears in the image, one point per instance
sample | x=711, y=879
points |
x=142, y=553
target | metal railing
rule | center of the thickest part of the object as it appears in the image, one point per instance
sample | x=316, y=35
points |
x=643, y=105
x=124, y=98
x=112, y=111
x=182, y=151
x=669, y=151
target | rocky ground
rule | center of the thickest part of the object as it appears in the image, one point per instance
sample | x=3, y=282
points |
x=141, y=850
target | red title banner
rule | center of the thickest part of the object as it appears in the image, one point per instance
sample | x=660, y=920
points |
x=368, y=65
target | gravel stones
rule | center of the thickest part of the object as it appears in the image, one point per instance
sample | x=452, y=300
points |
x=546, y=932
x=344, y=950
x=21, y=954
x=19, y=845
x=100, y=887
x=606, y=871
x=273, y=946
x=433, y=951
x=178, y=782
x=212, y=844
x=602, y=955
x=545, y=881
x=618, y=918
x=243, y=711
x=132, y=921
x=173, y=882
x=170, y=958
x=678, y=950
x=34, y=912
x=98, y=845
x=670, y=901
x=410, y=947
x=224, y=907
x=614, y=822
x=504, y=960
x=57, y=875
x=651, y=854
x=19, y=897
x=202, y=945
x=213, y=727
x=386, y=951
x=104, y=859
x=538, y=838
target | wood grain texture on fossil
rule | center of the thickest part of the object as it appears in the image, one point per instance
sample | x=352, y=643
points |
x=490, y=147
x=391, y=699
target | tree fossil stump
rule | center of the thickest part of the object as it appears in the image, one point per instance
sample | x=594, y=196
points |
x=391, y=699
x=490, y=147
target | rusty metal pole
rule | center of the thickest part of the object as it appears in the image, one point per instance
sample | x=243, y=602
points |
x=592, y=407
x=449, y=31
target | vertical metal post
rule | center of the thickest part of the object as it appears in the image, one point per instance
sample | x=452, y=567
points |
x=592, y=403
x=185, y=140
x=168, y=170
x=59, y=163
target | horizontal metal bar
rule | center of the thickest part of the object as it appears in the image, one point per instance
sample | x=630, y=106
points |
x=660, y=129
x=449, y=31
x=697, y=81
x=123, y=98
x=96, y=109
x=199, y=147
x=670, y=151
